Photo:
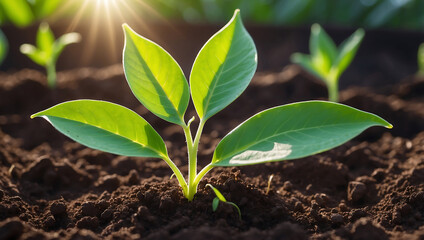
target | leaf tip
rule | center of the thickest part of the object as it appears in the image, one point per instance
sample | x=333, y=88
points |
x=44, y=26
x=315, y=28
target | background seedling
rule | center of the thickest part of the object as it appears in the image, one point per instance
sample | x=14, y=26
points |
x=326, y=61
x=3, y=47
x=24, y=12
x=421, y=60
x=269, y=184
x=48, y=50
x=219, y=197
x=221, y=72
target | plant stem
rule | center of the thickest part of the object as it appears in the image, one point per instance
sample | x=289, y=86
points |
x=333, y=92
x=177, y=173
x=51, y=75
x=192, y=148
x=202, y=173
x=333, y=86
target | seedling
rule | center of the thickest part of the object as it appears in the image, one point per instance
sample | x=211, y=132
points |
x=421, y=60
x=221, y=72
x=3, y=47
x=48, y=50
x=326, y=61
x=219, y=197
x=269, y=184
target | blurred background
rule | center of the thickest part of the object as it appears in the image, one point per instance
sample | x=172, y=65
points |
x=279, y=27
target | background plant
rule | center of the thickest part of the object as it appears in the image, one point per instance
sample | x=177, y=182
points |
x=3, y=47
x=24, y=12
x=326, y=61
x=220, y=198
x=48, y=50
x=420, y=59
x=221, y=72
x=405, y=14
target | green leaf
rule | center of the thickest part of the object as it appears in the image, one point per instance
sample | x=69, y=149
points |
x=3, y=47
x=323, y=50
x=215, y=204
x=106, y=126
x=43, y=8
x=347, y=51
x=62, y=42
x=45, y=39
x=421, y=58
x=155, y=78
x=305, y=61
x=223, y=68
x=34, y=54
x=217, y=193
x=292, y=131
x=17, y=11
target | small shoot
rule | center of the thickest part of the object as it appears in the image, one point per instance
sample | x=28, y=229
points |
x=221, y=72
x=3, y=47
x=48, y=50
x=220, y=198
x=326, y=61
x=269, y=183
x=421, y=60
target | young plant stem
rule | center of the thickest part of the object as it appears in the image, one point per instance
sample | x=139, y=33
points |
x=333, y=87
x=51, y=75
x=192, y=147
x=177, y=174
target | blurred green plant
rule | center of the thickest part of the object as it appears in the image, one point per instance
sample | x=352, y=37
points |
x=220, y=198
x=3, y=47
x=421, y=59
x=364, y=13
x=326, y=61
x=48, y=50
x=22, y=13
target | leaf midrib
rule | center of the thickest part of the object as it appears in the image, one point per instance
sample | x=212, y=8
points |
x=175, y=108
x=113, y=133
x=275, y=135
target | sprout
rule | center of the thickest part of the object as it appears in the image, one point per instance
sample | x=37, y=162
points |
x=326, y=61
x=48, y=50
x=221, y=72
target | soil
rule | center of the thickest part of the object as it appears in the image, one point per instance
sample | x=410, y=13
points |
x=53, y=188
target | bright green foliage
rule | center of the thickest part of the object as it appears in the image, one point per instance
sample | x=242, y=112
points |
x=106, y=126
x=3, y=47
x=421, y=59
x=292, y=131
x=326, y=61
x=48, y=50
x=219, y=197
x=155, y=78
x=24, y=12
x=17, y=11
x=222, y=70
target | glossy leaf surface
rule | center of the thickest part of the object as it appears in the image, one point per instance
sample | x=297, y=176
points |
x=292, y=131
x=106, y=126
x=155, y=78
x=223, y=68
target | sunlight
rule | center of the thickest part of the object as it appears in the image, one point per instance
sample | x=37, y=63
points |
x=100, y=21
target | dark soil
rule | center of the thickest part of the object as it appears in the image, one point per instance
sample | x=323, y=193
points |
x=53, y=188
